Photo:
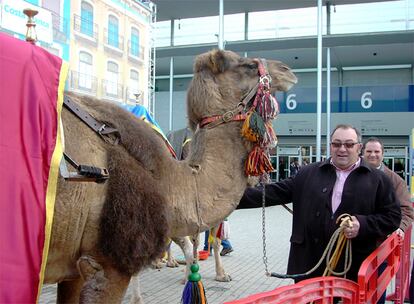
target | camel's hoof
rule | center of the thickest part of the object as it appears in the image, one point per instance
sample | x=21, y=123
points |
x=173, y=264
x=224, y=278
x=157, y=265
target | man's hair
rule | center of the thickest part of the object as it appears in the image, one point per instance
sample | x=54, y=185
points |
x=345, y=126
x=373, y=139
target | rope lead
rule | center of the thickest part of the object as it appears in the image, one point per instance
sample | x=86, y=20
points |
x=341, y=241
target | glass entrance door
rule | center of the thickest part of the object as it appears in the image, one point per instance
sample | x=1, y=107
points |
x=389, y=162
x=283, y=167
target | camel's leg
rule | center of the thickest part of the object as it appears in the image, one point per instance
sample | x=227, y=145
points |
x=171, y=261
x=196, y=242
x=221, y=275
x=102, y=285
x=186, y=246
x=136, y=291
x=157, y=263
x=69, y=291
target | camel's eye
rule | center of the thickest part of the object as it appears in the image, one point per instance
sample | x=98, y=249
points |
x=250, y=65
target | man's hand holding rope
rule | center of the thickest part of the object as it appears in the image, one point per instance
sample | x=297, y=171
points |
x=351, y=227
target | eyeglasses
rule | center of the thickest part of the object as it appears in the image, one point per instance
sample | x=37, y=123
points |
x=348, y=145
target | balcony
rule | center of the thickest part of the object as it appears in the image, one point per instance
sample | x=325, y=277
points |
x=112, y=90
x=113, y=42
x=85, y=29
x=84, y=83
x=136, y=52
x=60, y=28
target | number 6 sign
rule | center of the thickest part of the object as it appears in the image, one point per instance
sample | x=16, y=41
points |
x=366, y=100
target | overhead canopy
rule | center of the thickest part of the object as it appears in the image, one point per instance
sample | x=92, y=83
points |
x=180, y=9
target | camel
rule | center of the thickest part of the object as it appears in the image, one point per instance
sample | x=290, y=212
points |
x=180, y=141
x=103, y=233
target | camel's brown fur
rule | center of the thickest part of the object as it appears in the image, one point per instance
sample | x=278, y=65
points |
x=134, y=224
x=102, y=233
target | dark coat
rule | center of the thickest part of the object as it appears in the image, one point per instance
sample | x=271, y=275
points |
x=367, y=194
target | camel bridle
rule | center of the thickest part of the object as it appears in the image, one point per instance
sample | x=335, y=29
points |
x=239, y=112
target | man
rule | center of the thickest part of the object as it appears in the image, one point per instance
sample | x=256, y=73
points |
x=373, y=152
x=323, y=191
x=294, y=168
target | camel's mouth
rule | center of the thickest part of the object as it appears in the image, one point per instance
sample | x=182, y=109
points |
x=287, y=84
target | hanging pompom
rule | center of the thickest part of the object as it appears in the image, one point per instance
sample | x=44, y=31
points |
x=194, y=290
x=246, y=131
x=270, y=139
x=254, y=127
x=258, y=162
x=268, y=108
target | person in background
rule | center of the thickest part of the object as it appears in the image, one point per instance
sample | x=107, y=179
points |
x=294, y=167
x=227, y=247
x=373, y=153
x=399, y=168
x=321, y=192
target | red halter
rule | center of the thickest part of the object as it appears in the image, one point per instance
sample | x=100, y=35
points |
x=238, y=113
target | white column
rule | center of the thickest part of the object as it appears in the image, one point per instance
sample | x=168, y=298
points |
x=328, y=100
x=221, y=27
x=319, y=84
x=170, y=124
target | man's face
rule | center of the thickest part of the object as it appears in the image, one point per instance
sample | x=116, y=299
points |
x=373, y=153
x=345, y=148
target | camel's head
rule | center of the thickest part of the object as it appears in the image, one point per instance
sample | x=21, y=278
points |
x=222, y=79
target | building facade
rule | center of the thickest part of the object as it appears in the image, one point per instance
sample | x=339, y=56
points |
x=106, y=42
x=371, y=47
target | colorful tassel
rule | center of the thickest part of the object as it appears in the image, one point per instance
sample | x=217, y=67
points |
x=268, y=108
x=254, y=128
x=270, y=139
x=194, y=290
x=258, y=162
x=258, y=128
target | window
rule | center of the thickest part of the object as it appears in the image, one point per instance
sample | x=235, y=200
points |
x=113, y=29
x=112, y=79
x=134, y=42
x=85, y=70
x=133, y=85
x=86, y=19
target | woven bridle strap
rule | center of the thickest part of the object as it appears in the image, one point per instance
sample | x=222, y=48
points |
x=238, y=113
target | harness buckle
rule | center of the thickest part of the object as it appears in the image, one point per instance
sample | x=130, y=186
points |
x=228, y=116
x=102, y=128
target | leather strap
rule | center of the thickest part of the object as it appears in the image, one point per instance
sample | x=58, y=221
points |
x=76, y=109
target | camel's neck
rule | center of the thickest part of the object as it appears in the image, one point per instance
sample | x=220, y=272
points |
x=207, y=187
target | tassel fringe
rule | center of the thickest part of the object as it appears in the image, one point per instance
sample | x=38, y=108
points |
x=258, y=162
x=258, y=129
x=194, y=292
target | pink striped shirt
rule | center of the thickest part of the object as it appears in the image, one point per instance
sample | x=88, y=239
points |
x=341, y=176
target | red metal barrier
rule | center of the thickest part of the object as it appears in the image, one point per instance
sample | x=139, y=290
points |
x=370, y=286
x=402, y=279
x=319, y=290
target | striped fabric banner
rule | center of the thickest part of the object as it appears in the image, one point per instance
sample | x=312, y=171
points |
x=31, y=86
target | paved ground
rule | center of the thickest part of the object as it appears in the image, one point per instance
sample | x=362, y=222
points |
x=244, y=264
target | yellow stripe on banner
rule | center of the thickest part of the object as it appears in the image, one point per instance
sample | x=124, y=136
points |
x=53, y=176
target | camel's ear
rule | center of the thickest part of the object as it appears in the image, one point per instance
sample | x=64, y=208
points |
x=215, y=61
